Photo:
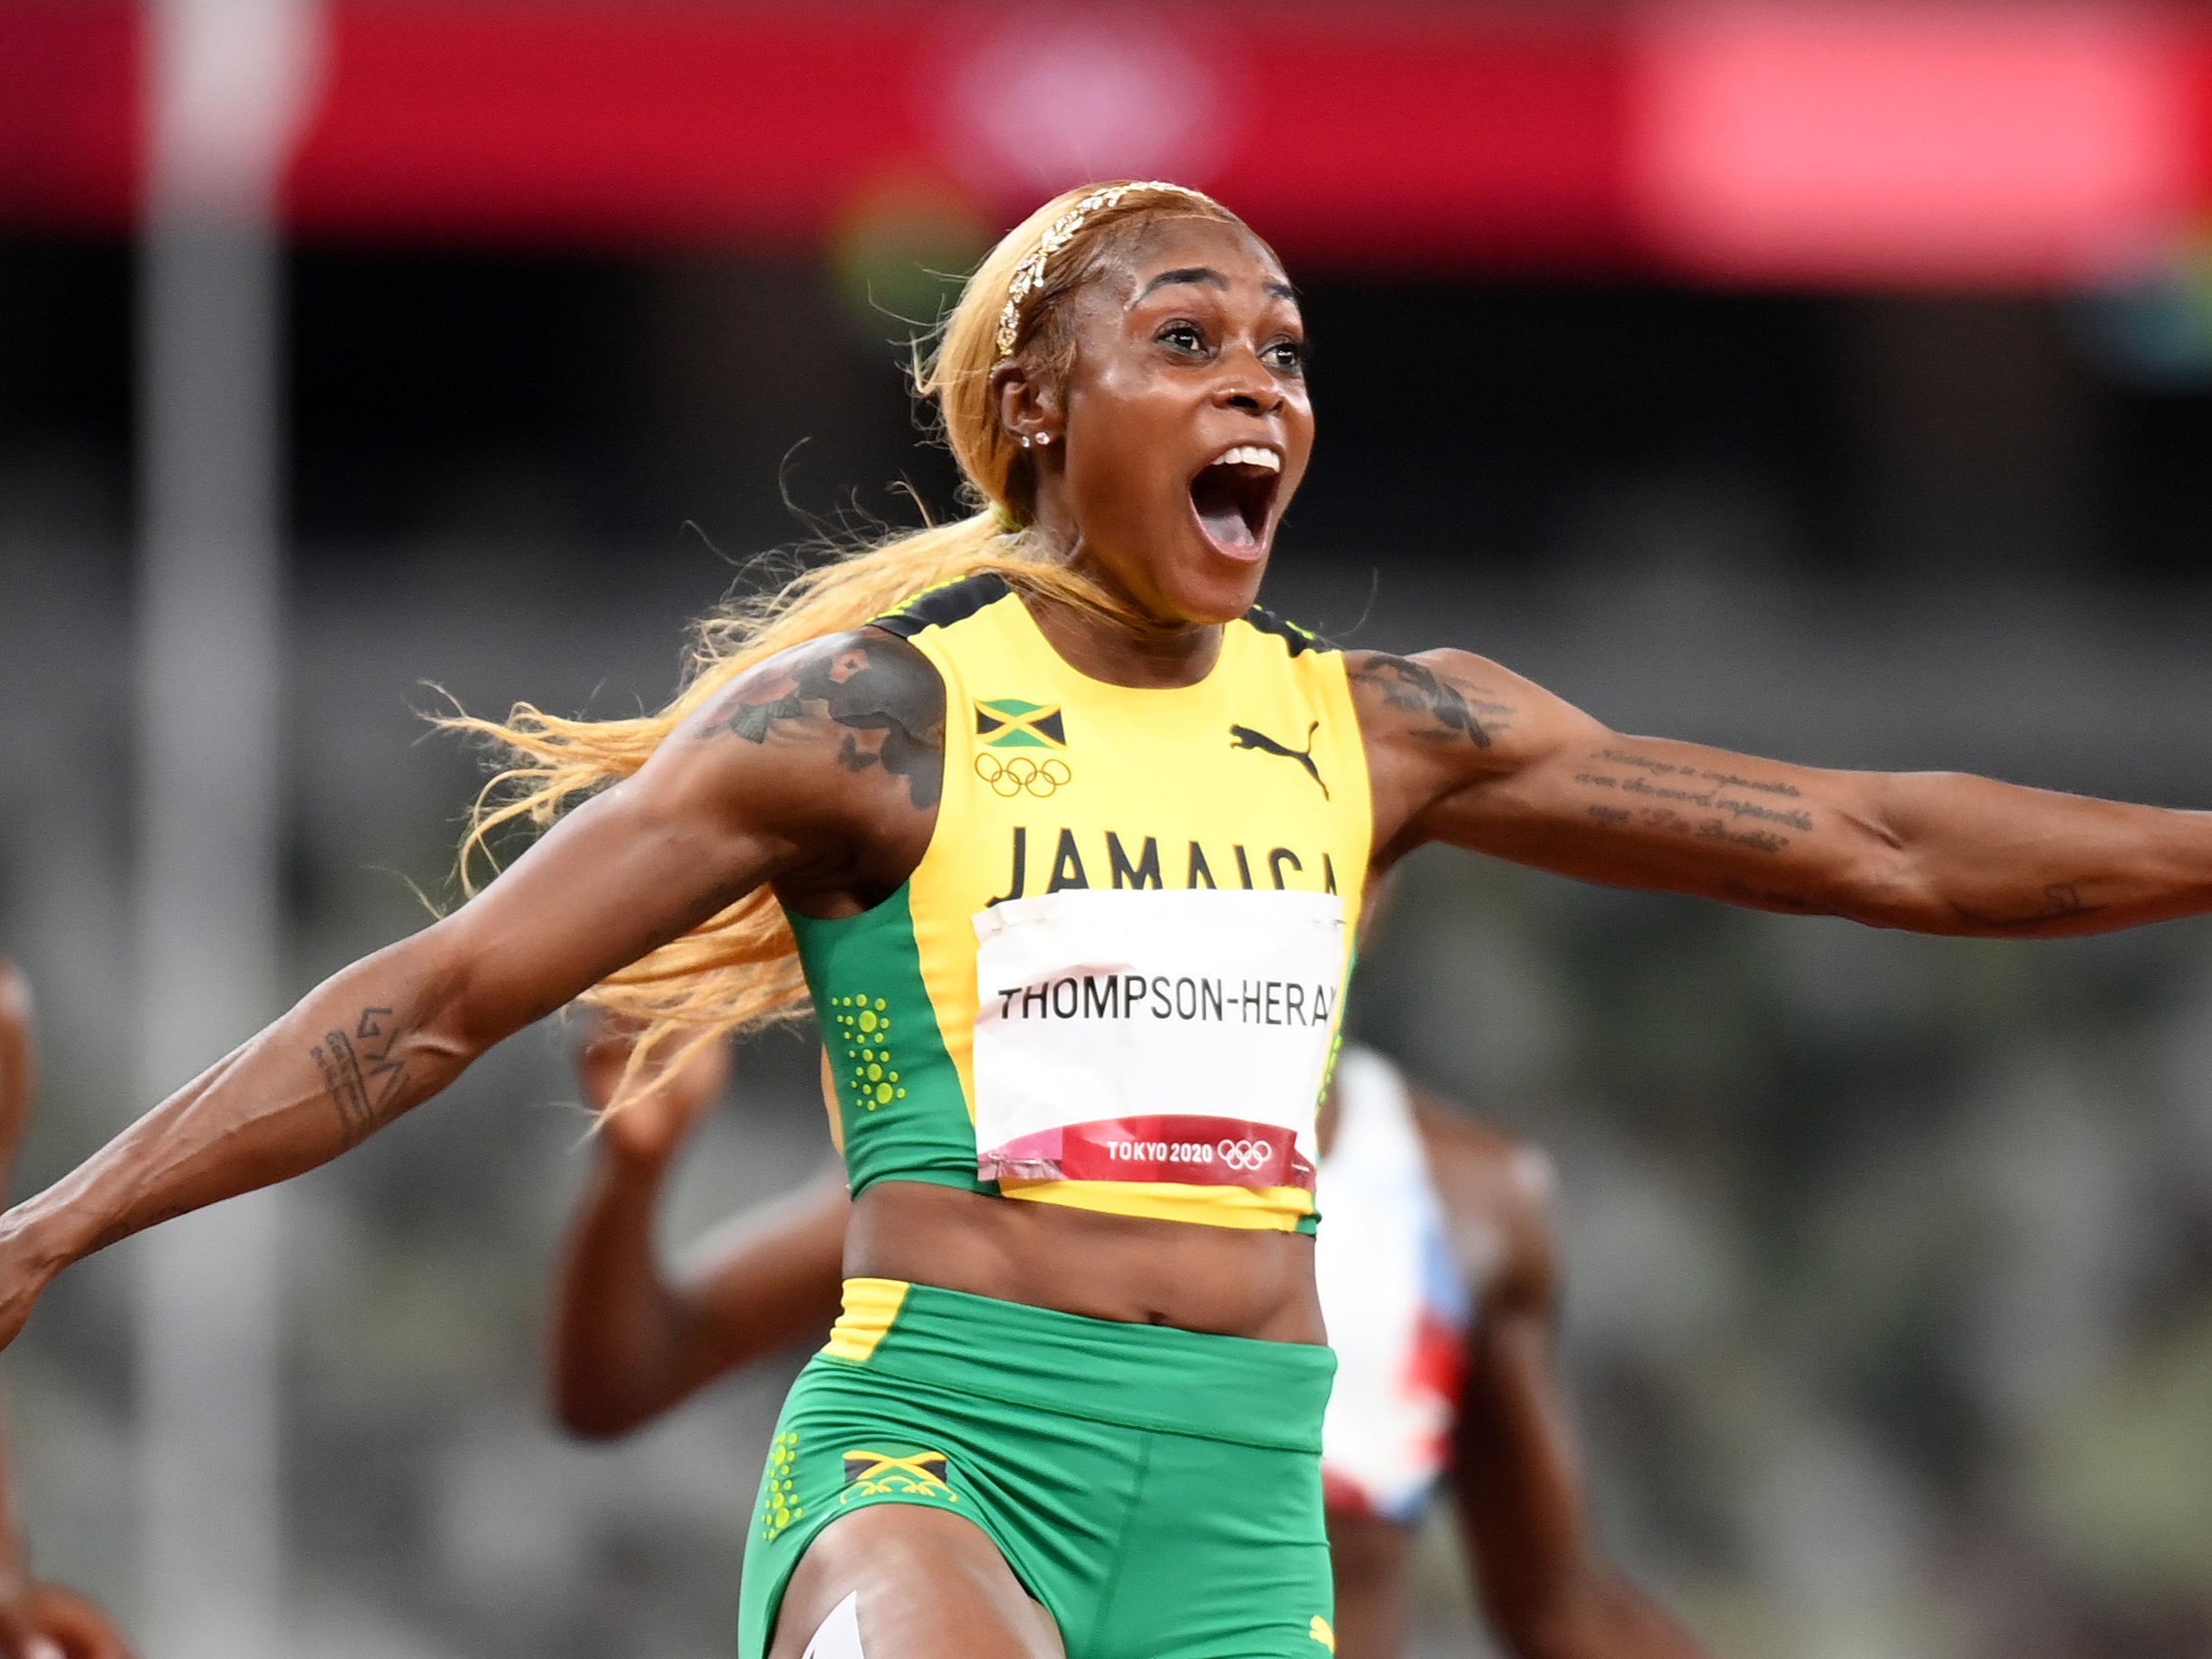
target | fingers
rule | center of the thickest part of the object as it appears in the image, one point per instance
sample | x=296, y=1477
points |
x=607, y=1041
x=603, y=1052
x=703, y=1075
x=667, y=1098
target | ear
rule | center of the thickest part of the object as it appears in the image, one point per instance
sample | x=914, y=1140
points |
x=1028, y=408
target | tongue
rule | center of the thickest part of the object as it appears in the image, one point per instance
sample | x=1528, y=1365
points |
x=1226, y=526
x=1215, y=502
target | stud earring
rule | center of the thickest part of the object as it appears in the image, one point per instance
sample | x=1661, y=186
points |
x=1024, y=440
x=1044, y=438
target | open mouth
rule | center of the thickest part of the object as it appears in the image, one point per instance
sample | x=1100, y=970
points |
x=1235, y=499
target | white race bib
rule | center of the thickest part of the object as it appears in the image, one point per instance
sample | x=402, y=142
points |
x=1155, y=1036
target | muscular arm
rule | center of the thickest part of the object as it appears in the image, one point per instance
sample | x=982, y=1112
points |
x=818, y=771
x=1547, y=1590
x=1465, y=752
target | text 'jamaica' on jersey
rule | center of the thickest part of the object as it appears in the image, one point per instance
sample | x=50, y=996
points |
x=1115, y=978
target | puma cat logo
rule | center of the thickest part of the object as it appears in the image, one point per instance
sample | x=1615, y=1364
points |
x=1243, y=736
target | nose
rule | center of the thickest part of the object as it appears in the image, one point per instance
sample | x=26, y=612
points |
x=1246, y=385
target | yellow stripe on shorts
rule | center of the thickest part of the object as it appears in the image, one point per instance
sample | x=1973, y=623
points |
x=870, y=1307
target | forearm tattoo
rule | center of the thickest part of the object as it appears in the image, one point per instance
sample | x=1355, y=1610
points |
x=883, y=693
x=1444, y=710
x=1628, y=788
x=367, y=1085
x=2061, y=901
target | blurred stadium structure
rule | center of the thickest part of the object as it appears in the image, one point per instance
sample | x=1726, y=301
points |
x=1833, y=380
x=2019, y=145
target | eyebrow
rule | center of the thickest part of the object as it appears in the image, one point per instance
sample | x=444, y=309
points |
x=1210, y=277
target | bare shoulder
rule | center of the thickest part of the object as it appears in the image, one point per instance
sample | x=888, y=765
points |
x=1499, y=1196
x=838, y=744
x=1449, y=699
x=1437, y=724
x=875, y=699
x=855, y=718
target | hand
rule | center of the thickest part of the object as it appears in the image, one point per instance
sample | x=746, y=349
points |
x=48, y=1622
x=665, y=1106
x=18, y=1063
x=22, y=1282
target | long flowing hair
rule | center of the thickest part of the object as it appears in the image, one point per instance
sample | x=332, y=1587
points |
x=741, y=969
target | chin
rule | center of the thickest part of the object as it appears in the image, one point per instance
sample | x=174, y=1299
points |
x=1202, y=591
x=1195, y=582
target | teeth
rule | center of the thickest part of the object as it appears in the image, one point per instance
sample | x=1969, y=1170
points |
x=1251, y=455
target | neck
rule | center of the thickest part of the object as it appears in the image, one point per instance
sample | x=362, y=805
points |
x=1136, y=648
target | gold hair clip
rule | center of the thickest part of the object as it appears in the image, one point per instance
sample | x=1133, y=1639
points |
x=1029, y=275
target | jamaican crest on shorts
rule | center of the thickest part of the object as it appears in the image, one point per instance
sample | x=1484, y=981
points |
x=871, y=1474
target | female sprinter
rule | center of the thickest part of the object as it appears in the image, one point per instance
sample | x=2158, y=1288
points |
x=1071, y=838
x=37, y=1620
x=1439, y=1275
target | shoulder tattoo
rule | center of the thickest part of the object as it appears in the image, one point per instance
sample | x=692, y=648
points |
x=1438, y=710
x=880, y=698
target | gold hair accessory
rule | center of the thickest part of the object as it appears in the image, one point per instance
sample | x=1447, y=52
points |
x=1029, y=275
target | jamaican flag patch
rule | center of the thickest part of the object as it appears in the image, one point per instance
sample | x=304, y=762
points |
x=1008, y=722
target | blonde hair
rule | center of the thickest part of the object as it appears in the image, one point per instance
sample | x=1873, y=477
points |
x=741, y=969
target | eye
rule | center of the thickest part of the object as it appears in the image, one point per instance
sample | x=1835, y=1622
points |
x=1183, y=337
x=1285, y=356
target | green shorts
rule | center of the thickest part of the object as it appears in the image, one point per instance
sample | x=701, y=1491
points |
x=1159, y=1490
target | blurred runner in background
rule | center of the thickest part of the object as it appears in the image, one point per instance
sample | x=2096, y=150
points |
x=37, y=1621
x=1439, y=1279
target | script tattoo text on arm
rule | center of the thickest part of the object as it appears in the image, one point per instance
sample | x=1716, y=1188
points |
x=1627, y=788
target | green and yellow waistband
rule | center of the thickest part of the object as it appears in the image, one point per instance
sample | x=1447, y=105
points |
x=1143, y=1376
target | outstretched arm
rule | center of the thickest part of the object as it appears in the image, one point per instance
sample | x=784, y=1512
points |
x=629, y=1341
x=1547, y=1589
x=817, y=771
x=1465, y=752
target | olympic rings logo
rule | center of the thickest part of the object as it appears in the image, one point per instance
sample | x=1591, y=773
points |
x=1008, y=775
x=1244, y=1155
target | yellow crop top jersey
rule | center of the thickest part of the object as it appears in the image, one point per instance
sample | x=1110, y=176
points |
x=1114, y=981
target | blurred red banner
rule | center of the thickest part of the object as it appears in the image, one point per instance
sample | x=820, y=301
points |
x=2028, y=144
